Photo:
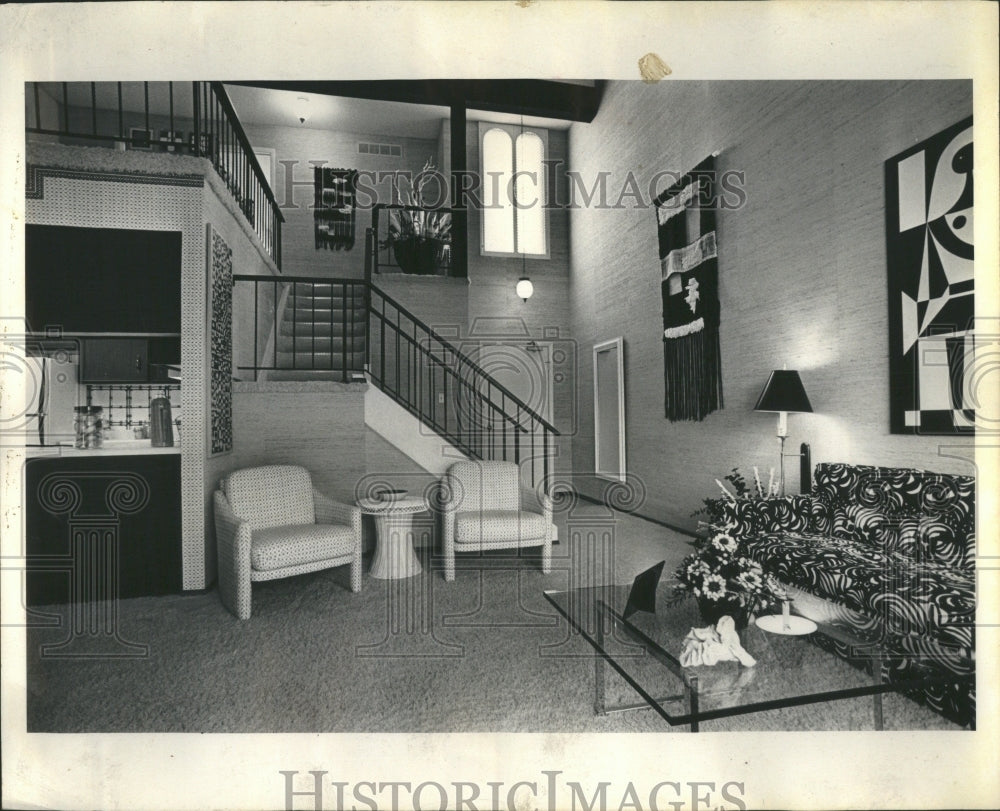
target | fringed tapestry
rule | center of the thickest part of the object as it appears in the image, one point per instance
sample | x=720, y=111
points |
x=689, y=284
x=929, y=253
x=333, y=208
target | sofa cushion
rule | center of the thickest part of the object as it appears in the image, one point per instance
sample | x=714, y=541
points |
x=908, y=596
x=498, y=527
x=278, y=547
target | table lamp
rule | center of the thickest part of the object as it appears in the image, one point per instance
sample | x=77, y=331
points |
x=783, y=393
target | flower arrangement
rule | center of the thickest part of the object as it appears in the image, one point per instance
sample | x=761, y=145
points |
x=717, y=573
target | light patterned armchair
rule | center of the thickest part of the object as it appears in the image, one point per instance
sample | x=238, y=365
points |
x=270, y=522
x=483, y=509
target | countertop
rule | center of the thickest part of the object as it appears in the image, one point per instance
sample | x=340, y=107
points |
x=111, y=447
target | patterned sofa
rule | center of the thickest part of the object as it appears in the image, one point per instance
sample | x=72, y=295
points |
x=883, y=551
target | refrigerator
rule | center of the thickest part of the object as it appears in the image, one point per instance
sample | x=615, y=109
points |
x=52, y=391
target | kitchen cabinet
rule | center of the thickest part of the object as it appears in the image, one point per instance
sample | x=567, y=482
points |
x=104, y=525
x=114, y=360
x=122, y=359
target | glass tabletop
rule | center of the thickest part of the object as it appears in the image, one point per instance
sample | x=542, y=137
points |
x=790, y=670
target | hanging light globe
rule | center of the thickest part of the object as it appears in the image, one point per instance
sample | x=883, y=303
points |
x=524, y=288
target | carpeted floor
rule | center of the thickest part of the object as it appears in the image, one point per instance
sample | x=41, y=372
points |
x=485, y=653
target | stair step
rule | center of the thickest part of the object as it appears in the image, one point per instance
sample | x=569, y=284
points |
x=310, y=374
x=322, y=315
x=327, y=302
x=307, y=328
x=323, y=361
x=321, y=289
x=305, y=344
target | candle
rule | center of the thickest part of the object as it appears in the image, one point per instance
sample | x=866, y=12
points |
x=786, y=614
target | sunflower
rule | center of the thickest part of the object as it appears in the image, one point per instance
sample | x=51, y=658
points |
x=724, y=542
x=713, y=586
x=751, y=580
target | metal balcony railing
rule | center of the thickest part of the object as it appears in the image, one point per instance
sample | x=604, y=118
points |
x=192, y=118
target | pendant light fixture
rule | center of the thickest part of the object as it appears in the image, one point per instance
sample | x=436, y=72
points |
x=524, y=287
x=302, y=109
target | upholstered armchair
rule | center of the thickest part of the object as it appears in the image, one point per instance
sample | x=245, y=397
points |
x=270, y=522
x=483, y=509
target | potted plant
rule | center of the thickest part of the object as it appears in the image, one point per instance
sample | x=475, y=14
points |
x=419, y=235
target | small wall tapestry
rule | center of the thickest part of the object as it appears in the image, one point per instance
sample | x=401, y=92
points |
x=220, y=330
x=333, y=208
x=689, y=283
x=929, y=252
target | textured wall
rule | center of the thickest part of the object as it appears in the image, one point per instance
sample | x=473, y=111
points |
x=320, y=426
x=802, y=271
x=340, y=150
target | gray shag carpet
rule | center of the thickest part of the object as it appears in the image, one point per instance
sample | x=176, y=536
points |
x=485, y=653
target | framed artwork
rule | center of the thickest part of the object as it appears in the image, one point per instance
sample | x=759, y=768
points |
x=929, y=256
x=220, y=333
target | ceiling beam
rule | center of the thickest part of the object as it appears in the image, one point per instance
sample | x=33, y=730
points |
x=532, y=97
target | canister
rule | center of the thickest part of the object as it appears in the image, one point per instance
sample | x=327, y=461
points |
x=89, y=424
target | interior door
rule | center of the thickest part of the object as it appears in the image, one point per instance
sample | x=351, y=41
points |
x=525, y=370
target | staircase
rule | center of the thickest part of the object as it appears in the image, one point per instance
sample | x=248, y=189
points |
x=322, y=332
x=346, y=330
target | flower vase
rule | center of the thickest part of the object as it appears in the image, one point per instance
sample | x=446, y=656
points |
x=713, y=610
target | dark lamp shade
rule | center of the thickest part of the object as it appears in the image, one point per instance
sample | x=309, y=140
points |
x=783, y=392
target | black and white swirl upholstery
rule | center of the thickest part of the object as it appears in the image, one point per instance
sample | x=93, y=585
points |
x=895, y=547
x=270, y=522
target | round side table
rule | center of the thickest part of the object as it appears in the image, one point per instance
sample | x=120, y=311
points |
x=394, y=555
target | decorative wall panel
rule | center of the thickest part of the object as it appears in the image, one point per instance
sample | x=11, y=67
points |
x=929, y=254
x=220, y=327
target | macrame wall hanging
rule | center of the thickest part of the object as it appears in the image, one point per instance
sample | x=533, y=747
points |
x=333, y=208
x=689, y=282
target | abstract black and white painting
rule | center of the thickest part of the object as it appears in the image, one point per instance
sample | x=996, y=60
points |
x=929, y=252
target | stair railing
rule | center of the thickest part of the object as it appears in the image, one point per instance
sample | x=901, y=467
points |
x=450, y=392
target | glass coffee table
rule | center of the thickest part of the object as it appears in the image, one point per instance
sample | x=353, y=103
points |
x=790, y=670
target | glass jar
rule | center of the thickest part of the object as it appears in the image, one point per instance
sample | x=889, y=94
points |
x=89, y=426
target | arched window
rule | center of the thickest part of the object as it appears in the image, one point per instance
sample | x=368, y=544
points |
x=513, y=190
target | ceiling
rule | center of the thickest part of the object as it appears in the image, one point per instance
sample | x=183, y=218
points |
x=281, y=108
x=273, y=107
x=265, y=106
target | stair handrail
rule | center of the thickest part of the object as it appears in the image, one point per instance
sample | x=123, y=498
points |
x=449, y=346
